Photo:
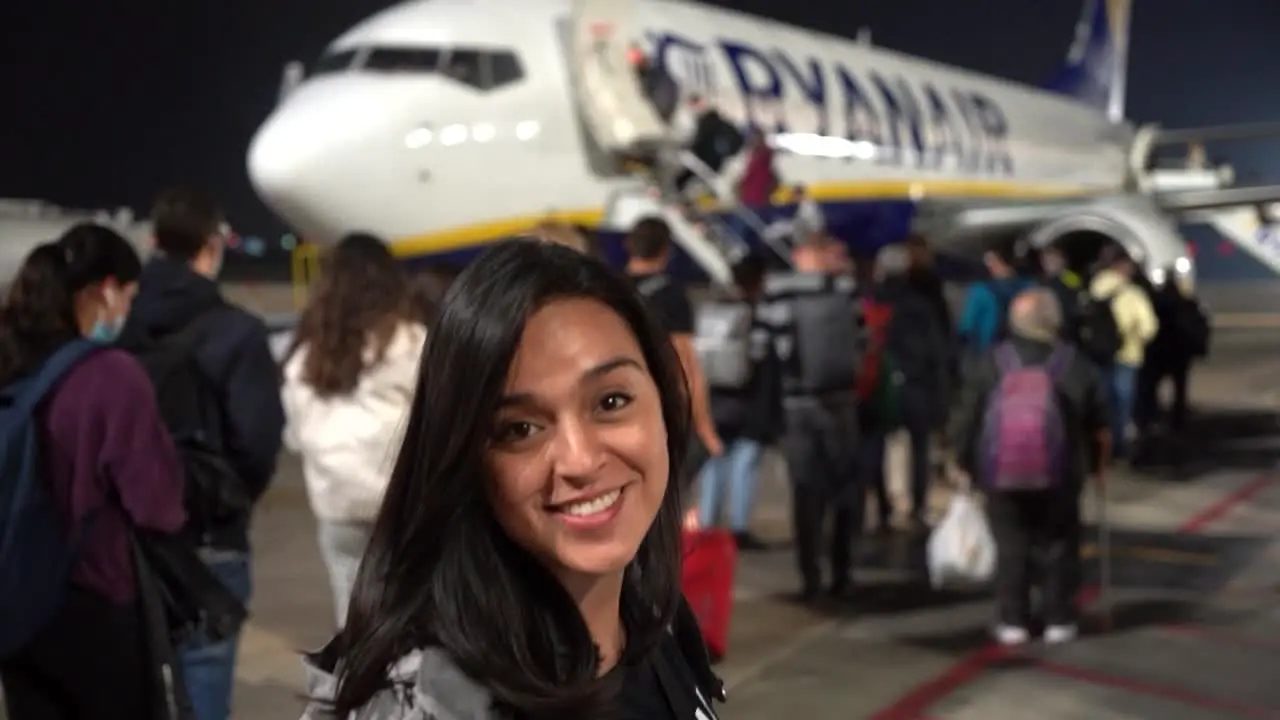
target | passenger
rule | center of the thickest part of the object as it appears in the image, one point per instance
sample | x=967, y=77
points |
x=809, y=218
x=909, y=350
x=348, y=384
x=925, y=279
x=746, y=409
x=180, y=316
x=1068, y=288
x=1183, y=336
x=1031, y=523
x=108, y=465
x=656, y=83
x=982, y=321
x=526, y=560
x=760, y=178
x=1137, y=323
x=715, y=140
x=811, y=317
x=649, y=246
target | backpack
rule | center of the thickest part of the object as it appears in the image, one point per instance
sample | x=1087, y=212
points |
x=1024, y=437
x=1097, y=331
x=37, y=553
x=191, y=408
x=880, y=382
x=722, y=338
x=1193, y=328
x=828, y=341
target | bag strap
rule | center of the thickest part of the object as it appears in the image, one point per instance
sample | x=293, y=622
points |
x=189, y=338
x=53, y=369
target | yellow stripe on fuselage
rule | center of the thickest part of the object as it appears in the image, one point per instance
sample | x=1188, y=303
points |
x=469, y=236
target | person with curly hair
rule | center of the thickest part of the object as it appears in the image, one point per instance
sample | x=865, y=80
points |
x=349, y=380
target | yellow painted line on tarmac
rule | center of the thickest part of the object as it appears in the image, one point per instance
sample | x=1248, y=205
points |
x=1250, y=320
x=1154, y=554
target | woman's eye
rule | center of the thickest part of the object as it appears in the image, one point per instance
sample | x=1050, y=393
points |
x=614, y=402
x=514, y=431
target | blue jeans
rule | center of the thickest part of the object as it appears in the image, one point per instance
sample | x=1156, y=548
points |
x=734, y=473
x=209, y=668
x=1123, y=385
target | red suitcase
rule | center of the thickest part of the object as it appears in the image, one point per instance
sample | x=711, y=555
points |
x=710, y=557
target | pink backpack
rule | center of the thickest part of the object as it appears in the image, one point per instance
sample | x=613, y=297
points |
x=1024, y=439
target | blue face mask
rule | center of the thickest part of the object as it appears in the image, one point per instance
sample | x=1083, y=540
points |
x=106, y=331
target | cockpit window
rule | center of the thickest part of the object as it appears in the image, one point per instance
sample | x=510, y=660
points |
x=477, y=69
x=333, y=62
x=409, y=60
x=504, y=69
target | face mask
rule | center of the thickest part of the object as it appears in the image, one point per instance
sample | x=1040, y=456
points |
x=107, y=330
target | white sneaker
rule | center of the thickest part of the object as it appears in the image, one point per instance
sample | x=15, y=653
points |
x=1057, y=634
x=1009, y=635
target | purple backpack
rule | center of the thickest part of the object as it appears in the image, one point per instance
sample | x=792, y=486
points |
x=1024, y=439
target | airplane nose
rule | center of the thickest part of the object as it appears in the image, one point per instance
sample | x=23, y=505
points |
x=282, y=164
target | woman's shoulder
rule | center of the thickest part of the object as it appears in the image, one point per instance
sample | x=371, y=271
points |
x=107, y=369
x=426, y=684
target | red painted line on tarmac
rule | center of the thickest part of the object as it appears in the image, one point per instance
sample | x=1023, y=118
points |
x=1201, y=520
x=970, y=668
x=1165, y=692
x=924, y=696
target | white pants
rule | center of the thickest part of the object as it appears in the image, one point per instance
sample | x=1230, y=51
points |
x=342, y=546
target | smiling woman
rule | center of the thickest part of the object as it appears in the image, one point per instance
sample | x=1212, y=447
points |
x=526, y=560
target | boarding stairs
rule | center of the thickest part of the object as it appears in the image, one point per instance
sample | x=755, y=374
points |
x=1196, y=190
x=624, y=123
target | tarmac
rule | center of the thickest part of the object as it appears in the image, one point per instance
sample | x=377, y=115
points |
x=1194, y=606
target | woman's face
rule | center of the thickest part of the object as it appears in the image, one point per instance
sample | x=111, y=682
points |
x=578, y=450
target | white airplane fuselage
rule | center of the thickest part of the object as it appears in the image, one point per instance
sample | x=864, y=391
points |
x=381, y=141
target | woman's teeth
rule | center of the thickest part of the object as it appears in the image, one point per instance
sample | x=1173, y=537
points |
x=591, y=507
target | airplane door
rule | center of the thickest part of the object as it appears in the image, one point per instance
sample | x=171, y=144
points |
x=613, y=103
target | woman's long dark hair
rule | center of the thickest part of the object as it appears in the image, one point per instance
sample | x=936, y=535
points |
x=439, y=571
x=39, y=313
x=363, y=295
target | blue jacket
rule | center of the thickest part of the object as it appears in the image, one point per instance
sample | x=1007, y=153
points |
x=982, y=321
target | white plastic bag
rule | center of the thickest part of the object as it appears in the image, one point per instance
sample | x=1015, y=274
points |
x=962, y=550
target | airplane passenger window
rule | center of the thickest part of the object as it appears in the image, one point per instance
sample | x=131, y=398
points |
x=504, y=69
x=333, y=62
x=408, y=60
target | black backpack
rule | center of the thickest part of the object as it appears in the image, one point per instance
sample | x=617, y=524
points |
x=1193, y=328
x=1097, y=330
x=192, y=410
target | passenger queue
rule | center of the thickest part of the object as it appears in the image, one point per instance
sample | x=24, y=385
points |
x=499, y=475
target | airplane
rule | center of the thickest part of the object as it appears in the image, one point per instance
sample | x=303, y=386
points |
x=446, y=125
x=25, y=224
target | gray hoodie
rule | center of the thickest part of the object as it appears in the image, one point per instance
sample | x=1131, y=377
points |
x=425, y=685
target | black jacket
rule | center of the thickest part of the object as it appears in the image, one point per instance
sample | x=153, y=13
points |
x=918, y=343
x=1083, y=395
x=236, y=360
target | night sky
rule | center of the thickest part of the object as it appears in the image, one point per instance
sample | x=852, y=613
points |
x=106, y=102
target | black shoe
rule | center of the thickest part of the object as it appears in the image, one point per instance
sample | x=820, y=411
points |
x=747, y=542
